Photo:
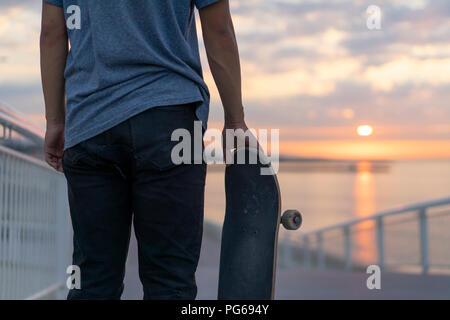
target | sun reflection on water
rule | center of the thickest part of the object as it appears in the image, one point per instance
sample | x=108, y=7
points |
x=364, y=190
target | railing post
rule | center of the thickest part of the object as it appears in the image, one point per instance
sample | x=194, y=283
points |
x=380, y=242
x=348, y=248
x=423, y=230
x=307, y=252
x=320, y=252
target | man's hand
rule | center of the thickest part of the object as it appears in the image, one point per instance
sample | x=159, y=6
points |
x=238, y=135
x=227, y=145
x=54, y=145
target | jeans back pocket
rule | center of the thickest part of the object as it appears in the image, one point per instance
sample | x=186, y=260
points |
x=152, y=135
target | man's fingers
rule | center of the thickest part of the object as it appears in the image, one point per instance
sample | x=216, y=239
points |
x=54, y=161
x=227, y=156
x=59, y=166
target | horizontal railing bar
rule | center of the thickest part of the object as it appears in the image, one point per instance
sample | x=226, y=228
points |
x=410, y=208
x=46, y=292
x=416, y=265
x=439, y=265
x=15, y=121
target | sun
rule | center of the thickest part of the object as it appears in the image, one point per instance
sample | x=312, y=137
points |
x=365, y=130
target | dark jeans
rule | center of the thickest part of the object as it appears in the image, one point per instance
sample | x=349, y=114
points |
x=126, y=173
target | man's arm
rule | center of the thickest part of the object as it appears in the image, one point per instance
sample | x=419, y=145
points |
x=223, y=57
x=54, y=49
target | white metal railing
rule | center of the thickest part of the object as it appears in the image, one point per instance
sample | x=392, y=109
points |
x=34, y=227
x=398, y=239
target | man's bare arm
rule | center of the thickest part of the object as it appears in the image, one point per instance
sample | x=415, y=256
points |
x=54, y=49
x=223, y=57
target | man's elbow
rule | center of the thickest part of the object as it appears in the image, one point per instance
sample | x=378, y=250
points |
x=50, y=36
x=223, y=35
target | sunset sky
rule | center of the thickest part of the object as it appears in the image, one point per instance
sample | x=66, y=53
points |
x=311, y=68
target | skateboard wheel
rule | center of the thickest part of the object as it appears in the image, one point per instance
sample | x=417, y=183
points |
x=291, y=219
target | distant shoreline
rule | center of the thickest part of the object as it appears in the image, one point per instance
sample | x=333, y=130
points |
x=325, y=165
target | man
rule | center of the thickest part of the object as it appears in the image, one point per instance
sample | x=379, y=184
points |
x=132, y=76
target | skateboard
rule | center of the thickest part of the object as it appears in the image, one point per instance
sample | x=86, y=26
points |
x=250, y=230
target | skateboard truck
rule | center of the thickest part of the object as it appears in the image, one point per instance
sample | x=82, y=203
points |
x=291, y=219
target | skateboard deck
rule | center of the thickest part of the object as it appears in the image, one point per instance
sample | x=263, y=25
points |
x=250, y=232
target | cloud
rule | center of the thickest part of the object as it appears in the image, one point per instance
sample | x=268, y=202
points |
x=29, y=4
x=407, y=70
x=19, y=50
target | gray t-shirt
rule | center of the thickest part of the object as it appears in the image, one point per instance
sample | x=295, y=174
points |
x=127, y=56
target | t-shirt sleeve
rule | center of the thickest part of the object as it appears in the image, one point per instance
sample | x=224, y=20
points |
x=58, y=3
x=204, y=3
